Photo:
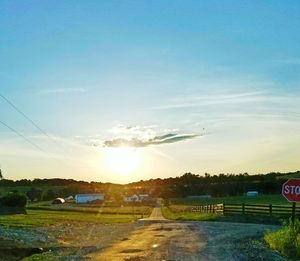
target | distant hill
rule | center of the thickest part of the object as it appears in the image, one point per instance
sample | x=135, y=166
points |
x=292, y=175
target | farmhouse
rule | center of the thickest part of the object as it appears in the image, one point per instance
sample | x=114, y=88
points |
x=136, y=198
x=87, y=198
x=143, y=197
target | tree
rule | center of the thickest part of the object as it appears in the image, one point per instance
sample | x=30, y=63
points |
x=49, y=195
x=34, y=194
x=14, y=200
x=1, y=176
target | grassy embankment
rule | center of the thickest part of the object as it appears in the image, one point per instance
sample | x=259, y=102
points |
x=286, y=240
x=179, y=208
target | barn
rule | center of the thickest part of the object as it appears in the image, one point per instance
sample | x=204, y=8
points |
x=58, y=201
x=87, y=198
x=136, y=198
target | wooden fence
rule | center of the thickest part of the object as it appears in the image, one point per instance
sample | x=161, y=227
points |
x=217, y=208
x=247, y=209
x=263, y=210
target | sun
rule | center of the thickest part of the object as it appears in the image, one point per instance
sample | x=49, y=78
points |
x=123, y=160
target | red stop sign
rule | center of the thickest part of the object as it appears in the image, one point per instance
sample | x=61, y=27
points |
x=291, y=190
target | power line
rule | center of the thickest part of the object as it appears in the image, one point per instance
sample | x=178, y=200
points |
x=29, y=119
x=21, y=135
x=32, y=122
x=27, y=140
x=24, y=115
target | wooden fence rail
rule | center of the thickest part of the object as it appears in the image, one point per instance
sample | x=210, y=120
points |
x=246, y=209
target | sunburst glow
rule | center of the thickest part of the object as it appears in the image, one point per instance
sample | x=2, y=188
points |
x=123, y=160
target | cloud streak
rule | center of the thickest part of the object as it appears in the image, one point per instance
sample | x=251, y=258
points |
x=157, y=140
x=231, y=99
x=141, y=136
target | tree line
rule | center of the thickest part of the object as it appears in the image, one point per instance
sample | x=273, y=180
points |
x=186, y=185
x=217, y=185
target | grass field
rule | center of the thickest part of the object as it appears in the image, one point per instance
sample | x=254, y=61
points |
x=261, y=199
x=40, y=218
x=179, y=208
x=290, y=176
x=172, y=215
x=92, y=208
x=44, y=214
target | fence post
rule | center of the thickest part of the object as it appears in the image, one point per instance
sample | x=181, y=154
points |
x=243, y=208
x=270, y=209
x=224, y=209
x=293, y=213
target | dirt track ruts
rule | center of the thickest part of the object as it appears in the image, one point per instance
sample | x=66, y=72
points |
x=159, y=239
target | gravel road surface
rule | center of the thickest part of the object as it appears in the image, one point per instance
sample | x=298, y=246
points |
x=159, y=239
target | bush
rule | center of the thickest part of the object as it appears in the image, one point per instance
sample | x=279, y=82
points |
x=14, y=200
x=286, y=240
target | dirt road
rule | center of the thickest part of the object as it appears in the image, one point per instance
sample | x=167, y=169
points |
x=156, y=215
x=153, y=238
x=159, y=239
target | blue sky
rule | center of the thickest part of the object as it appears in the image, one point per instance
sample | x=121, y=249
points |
x=88, y=72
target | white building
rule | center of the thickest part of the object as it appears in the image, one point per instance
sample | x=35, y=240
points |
x=143, y=197
x=87, y=198
x=252, y=193
x=69, y=198
x=136, y=198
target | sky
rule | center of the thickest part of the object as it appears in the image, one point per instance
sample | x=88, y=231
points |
x=119, y=91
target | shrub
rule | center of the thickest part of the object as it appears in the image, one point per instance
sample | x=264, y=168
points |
x=14, y=200
x=286, y=240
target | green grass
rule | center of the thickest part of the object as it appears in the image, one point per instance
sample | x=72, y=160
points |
x=41, y=218
x=286, y=240
x=180, y=208
x=261, y=199
x=97, y=209
x=290, y=176
x=49, y=256
x=168, y=214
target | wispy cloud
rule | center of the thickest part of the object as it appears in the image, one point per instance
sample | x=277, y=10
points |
x=62, y=90
x=158, y=140
x=221, y=99
x=141, y=136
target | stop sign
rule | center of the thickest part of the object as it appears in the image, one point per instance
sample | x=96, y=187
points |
x=291, y=190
